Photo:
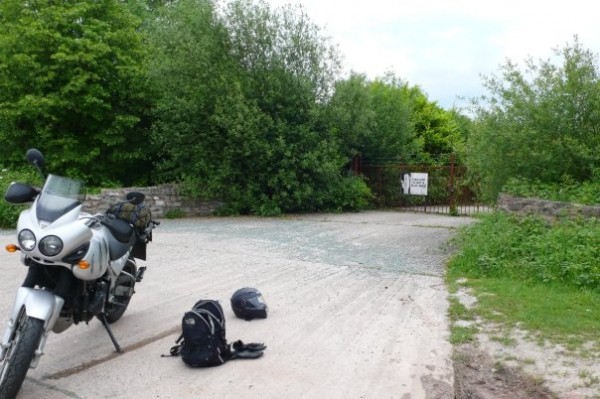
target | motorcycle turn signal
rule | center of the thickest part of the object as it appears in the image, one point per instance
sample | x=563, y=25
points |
x=12, y=248
x=84, y=264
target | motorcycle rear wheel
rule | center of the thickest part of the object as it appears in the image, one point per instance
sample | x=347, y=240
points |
x=16, y=363
x=115, y=311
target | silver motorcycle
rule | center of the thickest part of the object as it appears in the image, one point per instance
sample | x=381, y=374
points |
x=80, y=266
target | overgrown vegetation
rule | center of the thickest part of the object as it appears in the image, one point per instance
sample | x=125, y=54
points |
x=73, y=82
x=569, y=190
x=542, y=277
x=539, y=123
x=237, y=101
x=533, y=250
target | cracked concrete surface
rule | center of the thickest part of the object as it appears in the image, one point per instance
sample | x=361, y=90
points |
x=357, y=309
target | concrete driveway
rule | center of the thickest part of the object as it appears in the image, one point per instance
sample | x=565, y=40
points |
x=357, y=309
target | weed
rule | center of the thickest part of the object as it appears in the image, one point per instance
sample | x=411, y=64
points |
x=175, y=213
x=461, y=335
x=458, y=311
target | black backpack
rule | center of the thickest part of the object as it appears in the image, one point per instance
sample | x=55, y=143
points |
x=203, y=343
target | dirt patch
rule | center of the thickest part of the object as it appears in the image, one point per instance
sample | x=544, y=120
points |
x=478, y=376
x=524, y=368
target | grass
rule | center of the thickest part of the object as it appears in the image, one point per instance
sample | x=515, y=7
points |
x=540, y=277
x=555, y=313
x=462, y=334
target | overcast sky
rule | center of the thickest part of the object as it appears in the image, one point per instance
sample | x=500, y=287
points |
x=444, y=46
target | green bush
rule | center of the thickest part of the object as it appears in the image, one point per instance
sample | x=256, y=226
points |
x=530, y=249
x=350, y=194
x=587, y=193
x=337, y=193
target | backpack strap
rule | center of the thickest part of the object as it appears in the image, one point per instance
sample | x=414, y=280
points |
x=136, y=214
x=175, y=350
x=210, y=318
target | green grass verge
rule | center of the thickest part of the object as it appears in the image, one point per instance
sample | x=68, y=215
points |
x=530, y=274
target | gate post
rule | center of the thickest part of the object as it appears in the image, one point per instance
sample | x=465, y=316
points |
x=357, y=164
x=452, y=198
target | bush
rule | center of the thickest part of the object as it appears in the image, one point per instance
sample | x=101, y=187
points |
x=568, y=190
x=338, y=193
x=175, y=213
x=350, y=194
x=531, y=249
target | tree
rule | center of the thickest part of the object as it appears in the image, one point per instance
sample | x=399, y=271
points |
x=372, y=118
x=438, y=130
x=238, y=114
x=190, y=69
x=394, y=134
x=72, y=83
x=288, y=65
x=350, y=115
x=389, y=120
x=540, y=123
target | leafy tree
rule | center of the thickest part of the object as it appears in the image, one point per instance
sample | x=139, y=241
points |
x=394, y=134
x=387, y=119
x=190, y=69
x=72, y=79
x=350, y=114
x=540, y=123
x=287, y=63
x=438, y=130
x=237, y=112
x=372, y=118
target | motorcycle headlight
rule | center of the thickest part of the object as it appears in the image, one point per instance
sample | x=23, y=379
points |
x=26, y=239
x=51, y=245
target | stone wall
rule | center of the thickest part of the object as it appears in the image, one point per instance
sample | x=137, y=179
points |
x=546, y=209
x=161, y=200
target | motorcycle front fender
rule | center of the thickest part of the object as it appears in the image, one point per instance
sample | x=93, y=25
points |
x=38, y=304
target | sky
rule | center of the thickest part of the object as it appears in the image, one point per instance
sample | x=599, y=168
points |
x=445, y=46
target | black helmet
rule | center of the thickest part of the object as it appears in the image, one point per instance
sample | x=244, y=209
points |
x=248, y=303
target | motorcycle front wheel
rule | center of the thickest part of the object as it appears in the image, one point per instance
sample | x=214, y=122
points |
x=125, y=283
x=25, y=341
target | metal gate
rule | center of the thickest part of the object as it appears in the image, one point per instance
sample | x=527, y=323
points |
x=450, y=189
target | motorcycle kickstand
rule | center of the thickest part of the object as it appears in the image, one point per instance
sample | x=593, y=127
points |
x=110, y=334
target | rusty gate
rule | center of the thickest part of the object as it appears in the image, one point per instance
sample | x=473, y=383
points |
x=450, y=189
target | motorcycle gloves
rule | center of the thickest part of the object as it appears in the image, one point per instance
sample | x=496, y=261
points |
x=240, y=350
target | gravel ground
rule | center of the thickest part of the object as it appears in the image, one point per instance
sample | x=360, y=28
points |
x=357, y=309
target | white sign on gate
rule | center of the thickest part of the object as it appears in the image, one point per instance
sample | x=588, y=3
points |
x=414, y=183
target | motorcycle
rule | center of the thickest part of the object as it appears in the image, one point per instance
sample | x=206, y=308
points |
x=80, y=266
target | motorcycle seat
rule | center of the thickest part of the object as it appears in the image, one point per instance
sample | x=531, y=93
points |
x=120, y=229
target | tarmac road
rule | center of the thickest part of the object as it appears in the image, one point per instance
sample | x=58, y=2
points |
x=357, y=309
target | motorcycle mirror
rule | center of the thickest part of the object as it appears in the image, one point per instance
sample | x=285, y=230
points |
x=35, y=158
x=19, y=193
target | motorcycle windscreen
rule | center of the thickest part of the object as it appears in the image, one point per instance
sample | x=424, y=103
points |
x=59, y=196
